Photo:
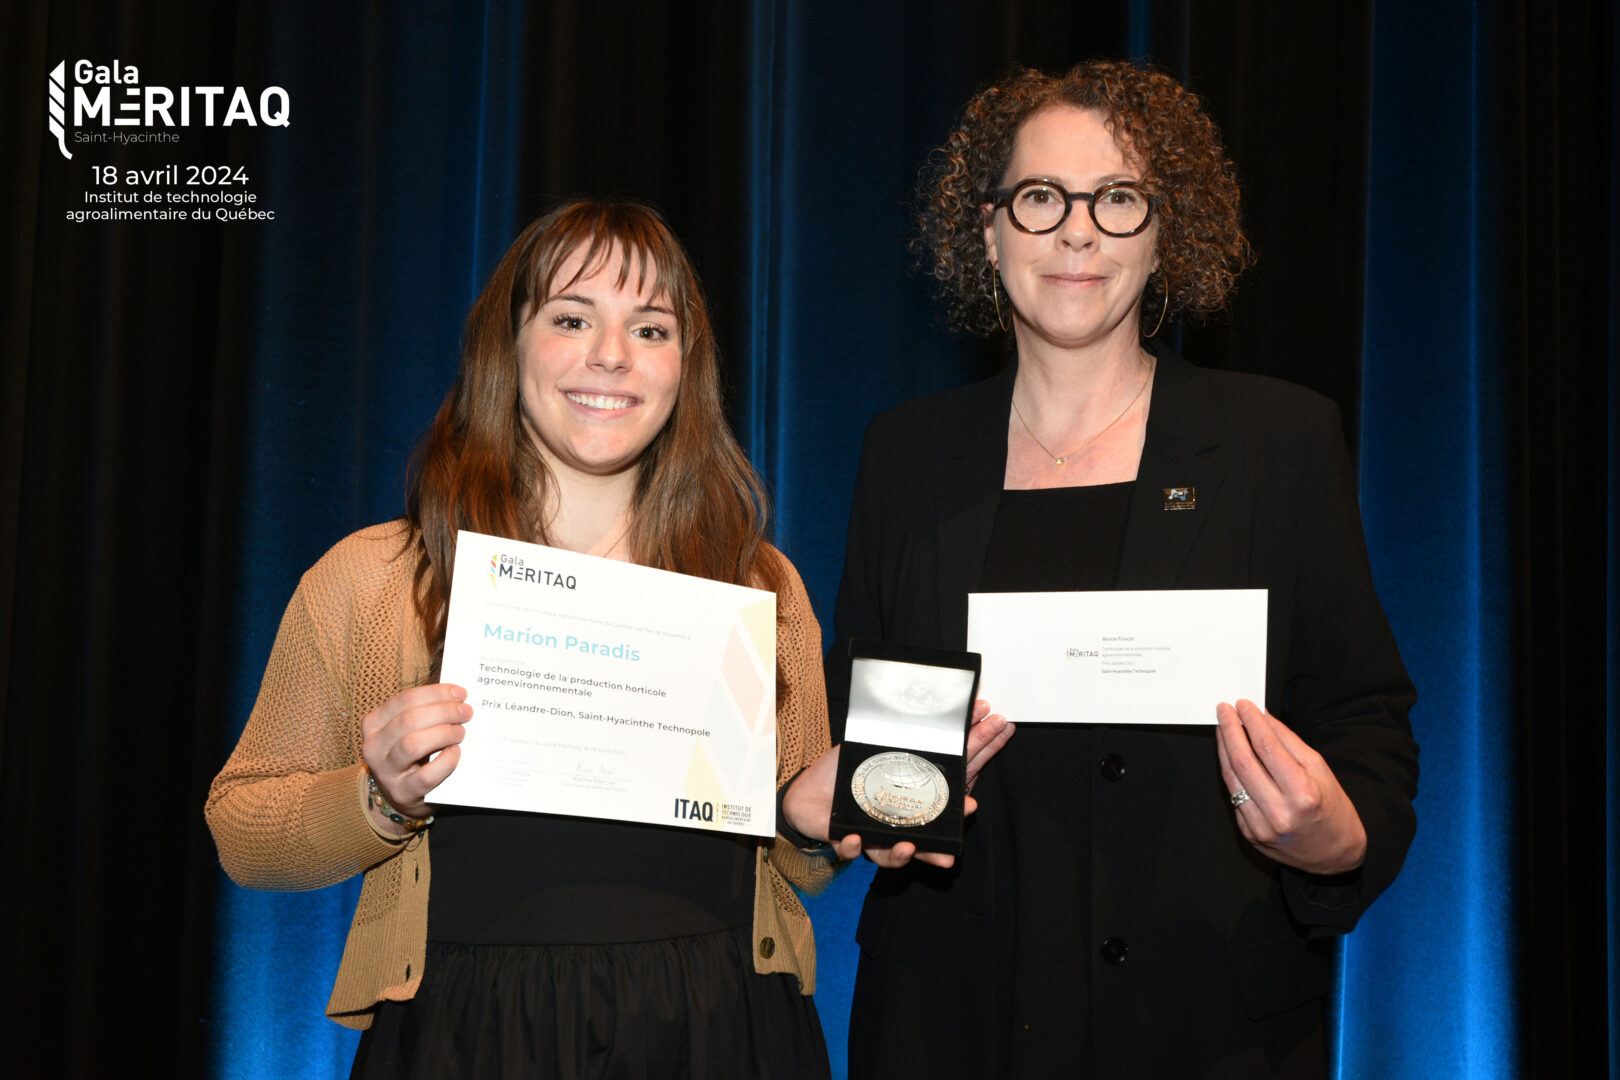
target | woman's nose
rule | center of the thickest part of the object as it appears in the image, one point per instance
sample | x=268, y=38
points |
x=612, y=351
x=1078, y=228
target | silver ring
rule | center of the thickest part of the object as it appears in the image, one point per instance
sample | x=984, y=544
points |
x=1239, y=797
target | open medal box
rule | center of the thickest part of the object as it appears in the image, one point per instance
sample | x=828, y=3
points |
x=902, y=771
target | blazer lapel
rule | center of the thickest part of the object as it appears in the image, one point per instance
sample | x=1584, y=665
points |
x=1177, y=483
x=1183, y=451
x=966, y=501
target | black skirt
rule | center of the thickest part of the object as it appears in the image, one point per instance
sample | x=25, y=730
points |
x=675, y=1008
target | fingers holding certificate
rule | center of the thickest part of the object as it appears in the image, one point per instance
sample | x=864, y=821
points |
x=409, y=744
x=987, y=735
x=1288, y=802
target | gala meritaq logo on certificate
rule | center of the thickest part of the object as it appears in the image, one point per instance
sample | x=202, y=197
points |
x=91, y=104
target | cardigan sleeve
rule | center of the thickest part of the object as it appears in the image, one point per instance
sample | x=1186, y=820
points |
x=1348, y=694
x=287, y=811
x=801, y=718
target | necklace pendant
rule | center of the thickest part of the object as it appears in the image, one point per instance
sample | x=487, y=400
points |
x=1060, y=461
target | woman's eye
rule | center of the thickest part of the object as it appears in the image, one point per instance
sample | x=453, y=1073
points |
x=569, y=322
x=1121, y=196
x=1039, y=196
x=651, y=332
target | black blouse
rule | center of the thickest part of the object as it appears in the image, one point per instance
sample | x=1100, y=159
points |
x=1052, y=540
x=503, y=878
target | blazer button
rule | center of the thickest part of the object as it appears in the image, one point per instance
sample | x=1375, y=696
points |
x=767, y=947
x=1112, y=767
x=1113, y=950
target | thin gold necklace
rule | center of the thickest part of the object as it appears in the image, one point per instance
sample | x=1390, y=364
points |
x=608, y=554
x=1060, y=459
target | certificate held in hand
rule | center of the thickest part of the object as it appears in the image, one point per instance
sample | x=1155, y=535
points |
x=1150, y=657
x=609, y=690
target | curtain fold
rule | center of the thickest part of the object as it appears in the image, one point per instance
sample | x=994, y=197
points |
x=394, y=207
x=1437, y=493
x=1489, y=363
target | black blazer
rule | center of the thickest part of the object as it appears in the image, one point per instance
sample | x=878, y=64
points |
x=1228, y=959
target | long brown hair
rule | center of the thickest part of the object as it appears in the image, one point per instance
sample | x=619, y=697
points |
x=699, y=508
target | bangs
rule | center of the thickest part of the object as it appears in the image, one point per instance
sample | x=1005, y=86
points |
x=598, y=231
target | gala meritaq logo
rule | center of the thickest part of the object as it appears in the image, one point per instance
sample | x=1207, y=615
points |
x=111, y=102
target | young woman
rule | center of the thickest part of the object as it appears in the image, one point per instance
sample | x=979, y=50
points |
x=586, y=415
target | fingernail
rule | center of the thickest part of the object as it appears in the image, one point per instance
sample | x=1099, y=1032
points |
x=457, y=692
x=465, y=710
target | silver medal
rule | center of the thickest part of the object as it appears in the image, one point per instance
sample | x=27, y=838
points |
x=902, y=789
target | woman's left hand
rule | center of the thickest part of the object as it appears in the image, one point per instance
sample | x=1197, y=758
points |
x=1296, y=813
x=808, y=803
x=808, y=808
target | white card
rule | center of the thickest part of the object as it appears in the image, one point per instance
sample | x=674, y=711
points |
x=1153, y=657
x=609, y=690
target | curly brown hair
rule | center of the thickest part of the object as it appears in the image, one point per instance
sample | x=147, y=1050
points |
x=1155, y=120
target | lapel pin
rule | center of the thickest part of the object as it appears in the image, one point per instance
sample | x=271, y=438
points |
x=1180, y=498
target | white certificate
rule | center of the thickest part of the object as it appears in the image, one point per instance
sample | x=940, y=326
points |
x=608, y=690
x=1159, y=657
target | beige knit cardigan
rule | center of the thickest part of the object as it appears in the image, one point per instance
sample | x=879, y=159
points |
x=287, y=810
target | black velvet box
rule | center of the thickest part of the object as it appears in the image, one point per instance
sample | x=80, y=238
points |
x=902, y=769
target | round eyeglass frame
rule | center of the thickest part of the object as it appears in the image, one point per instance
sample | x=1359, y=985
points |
x=1004, y=197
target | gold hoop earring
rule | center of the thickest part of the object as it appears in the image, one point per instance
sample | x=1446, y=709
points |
x=995, y=294
x=1164, y=309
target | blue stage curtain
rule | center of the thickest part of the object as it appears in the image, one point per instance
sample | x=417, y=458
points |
x=195, y=415
x=396, y=206
x=1436, y=476
x=1487, y=428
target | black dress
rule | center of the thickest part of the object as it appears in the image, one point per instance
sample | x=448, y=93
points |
x=563, y=947
x=1051, y=540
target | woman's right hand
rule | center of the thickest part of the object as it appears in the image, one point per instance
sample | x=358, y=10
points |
x=403, y=732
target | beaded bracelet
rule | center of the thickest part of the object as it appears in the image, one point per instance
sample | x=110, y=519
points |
x=374, y=798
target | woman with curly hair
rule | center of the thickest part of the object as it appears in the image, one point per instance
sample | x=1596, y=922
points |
x=586, y=415
x=1132, y=900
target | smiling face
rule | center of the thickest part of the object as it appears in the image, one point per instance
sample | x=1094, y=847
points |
x=1075, y=286
x=599, y=366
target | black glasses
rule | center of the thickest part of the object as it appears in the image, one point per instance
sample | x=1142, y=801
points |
x=1039, y=206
